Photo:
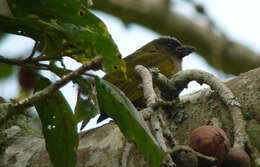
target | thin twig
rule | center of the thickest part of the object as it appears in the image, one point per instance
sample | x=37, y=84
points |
x=10, y=109
x=46, y=58
x=19, y=62
x=163, y=103
x=32, y=53
x=147, y=83
x=168, y=91
x=211, y=160
x=150, y=97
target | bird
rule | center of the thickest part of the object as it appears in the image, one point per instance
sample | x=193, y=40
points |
x=164, y=53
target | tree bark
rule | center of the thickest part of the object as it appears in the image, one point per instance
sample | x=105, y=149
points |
x=105, y=146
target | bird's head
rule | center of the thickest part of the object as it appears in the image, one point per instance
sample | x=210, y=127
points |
x=172, y=46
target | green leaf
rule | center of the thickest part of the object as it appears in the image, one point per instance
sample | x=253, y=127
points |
x=59, y=127
x=118, y=107
x=65, y=11
x=87, y=44
x=5, y=70
x=35, y=28
x=85, y=109
x=89, y=36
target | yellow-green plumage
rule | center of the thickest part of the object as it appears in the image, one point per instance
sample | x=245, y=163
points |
x=164, y=53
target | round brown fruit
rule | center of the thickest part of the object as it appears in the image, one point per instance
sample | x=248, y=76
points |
x=210, y=141
x=236, y=158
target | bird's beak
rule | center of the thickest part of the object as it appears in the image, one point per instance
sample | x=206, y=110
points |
x=184, y=50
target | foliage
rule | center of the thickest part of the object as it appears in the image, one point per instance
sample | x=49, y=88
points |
x=85, y=109
x=67, y=28
x=5, y=70
x=58, y=125
x=118, y=107
x=63, y=26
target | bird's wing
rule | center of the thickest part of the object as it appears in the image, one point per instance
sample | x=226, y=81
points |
x=128, y=85
x=130, y=88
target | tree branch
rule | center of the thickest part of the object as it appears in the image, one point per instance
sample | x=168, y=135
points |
x=108, y=142
x=147, y=85
x=214, y=46
x=180, y=81
x=9, y=109
x=150, y=96
x=19, y=62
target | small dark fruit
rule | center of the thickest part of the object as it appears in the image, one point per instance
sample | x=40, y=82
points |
x=236, y=158
x=210, y=141
x=27, y=78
